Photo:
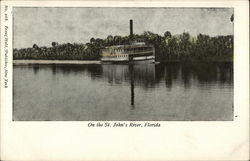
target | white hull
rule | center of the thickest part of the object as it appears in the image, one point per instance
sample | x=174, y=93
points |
x=141, y=59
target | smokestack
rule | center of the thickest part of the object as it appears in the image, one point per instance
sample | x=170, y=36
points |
x=131, y=28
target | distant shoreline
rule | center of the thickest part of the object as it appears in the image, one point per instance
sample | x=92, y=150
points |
x=79, y=62
x=196, y=60
x=47, y=62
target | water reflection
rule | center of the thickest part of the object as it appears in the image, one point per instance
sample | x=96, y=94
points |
x=105, y=92
x=150, y=75
x=131, y=71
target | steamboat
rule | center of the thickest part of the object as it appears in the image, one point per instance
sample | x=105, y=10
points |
x=136, y=51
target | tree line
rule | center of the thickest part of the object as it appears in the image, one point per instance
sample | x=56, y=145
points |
x=168, y=47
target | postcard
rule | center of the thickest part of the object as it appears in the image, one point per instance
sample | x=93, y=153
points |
x=125, y=80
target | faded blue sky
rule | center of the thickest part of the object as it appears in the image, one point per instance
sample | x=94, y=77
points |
x=42, y=26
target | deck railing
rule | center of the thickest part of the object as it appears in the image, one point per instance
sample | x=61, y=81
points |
x=139, y=52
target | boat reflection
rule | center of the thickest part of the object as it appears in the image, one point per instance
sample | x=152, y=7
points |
x=150, y=76
x=131, y=71
x=142, y=92
x=134, y=74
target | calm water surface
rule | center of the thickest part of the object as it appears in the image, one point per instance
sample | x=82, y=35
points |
x=170, y=91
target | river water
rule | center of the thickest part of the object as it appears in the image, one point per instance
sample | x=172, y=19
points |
x=163, y=92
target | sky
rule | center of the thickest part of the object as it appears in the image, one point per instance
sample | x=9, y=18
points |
x=42, y=26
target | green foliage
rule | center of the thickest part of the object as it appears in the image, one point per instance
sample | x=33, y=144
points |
x=167, y=47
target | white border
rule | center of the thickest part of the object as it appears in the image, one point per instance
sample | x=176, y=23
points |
x=174, y=140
